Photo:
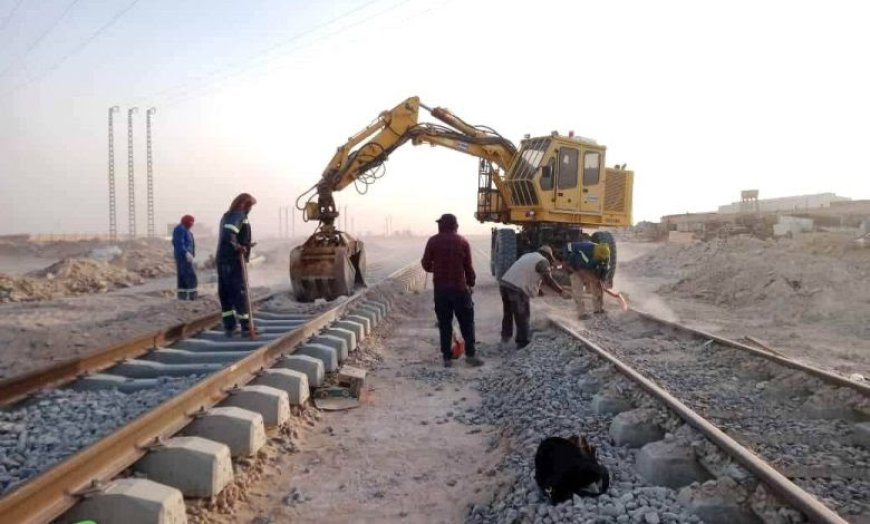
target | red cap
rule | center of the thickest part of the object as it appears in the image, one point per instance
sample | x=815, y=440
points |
x=187, y=220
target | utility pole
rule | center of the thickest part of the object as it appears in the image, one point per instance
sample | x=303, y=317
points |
x=113, y=209
x=280, y=222
x=131, y=182
x=148, y=115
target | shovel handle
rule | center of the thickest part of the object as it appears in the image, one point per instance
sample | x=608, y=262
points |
x=252, y=330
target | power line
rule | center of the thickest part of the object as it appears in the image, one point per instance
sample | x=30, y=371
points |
x=41, y=37
x=268, y=50
x=196, y=93
x=10, y=15
x=75, y=50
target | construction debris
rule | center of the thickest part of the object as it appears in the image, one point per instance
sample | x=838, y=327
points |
x=97, y=270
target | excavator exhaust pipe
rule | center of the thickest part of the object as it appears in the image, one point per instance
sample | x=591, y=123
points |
x=320, y=270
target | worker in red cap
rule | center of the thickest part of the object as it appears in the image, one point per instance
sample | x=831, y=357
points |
x=234, y=249
x=184, y=249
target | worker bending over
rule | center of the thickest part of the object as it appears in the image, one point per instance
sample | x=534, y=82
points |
x=184, y=249
x=234, y=249
x=589, y=263
x=520, y=283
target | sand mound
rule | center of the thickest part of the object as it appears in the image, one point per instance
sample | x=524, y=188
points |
x=810, y=279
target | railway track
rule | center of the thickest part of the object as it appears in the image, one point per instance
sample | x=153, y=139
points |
x=66, y=431
x=809, y=424
x=801, y=430
x=669, y=459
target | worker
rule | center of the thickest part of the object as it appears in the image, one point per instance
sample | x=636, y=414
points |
x=589, y=264
x=184, y=249
x=521, y=282
x=448, y=257
x=234, y=249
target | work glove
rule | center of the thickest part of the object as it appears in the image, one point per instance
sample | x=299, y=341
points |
x=188, y=256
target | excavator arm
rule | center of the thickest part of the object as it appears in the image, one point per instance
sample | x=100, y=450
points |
x=330, y=262
x=369, y=148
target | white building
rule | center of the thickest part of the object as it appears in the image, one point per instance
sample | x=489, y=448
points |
x=792, y=203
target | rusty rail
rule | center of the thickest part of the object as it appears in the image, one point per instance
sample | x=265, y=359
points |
x=826, y=376
x=49, y=494
x=789, y=491
x=19, y=387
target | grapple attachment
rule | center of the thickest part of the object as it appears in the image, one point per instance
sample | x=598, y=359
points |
x=327, y=266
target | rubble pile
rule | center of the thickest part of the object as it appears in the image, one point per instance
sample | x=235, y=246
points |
x=146, y=258
x=74, y=276
x=99, y=270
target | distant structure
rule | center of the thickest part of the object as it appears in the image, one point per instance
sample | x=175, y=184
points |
x=113, y=208
x=792, y=203
x=749, y=201
x=131, y=182
x=148, y=115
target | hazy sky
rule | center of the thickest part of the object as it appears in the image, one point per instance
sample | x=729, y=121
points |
x=701, y=99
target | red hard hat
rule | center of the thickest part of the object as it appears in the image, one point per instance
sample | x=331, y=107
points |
x=187, y=220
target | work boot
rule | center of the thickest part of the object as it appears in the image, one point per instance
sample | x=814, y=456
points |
x=191, y=295
x=521, y=345
x=448, y=363
x=473, y=362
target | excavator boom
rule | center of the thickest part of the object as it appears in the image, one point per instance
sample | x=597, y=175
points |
x=331, y=262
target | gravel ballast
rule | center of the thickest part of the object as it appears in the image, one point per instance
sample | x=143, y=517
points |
x=799, y=424
x=534, y=394
x=56, y=424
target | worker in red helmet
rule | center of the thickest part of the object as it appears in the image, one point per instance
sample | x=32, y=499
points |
x=234, y=249
x=184, y=248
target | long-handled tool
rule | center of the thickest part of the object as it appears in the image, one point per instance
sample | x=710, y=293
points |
x=252, y=331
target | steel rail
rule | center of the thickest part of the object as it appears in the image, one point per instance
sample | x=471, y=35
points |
x=17, y=388
x=789, y=491
x=826, y=376
x=54, y=491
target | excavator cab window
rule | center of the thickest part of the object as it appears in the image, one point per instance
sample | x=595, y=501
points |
x=529, y=159
x=591, y=168
x=568, y=163
x=547, y=175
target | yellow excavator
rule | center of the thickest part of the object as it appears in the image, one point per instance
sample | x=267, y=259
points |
x=552, y=187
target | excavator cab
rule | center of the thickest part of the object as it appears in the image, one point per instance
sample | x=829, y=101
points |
x=559, y=187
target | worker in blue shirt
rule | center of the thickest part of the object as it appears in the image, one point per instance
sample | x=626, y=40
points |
x=234, y=249
x=588, y=263
x=184, y=249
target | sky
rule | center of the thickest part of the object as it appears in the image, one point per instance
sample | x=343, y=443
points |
x=700, y=99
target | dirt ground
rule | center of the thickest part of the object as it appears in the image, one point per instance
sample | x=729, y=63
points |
x=60, y=325
x=399, y=456
x=808, y=297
